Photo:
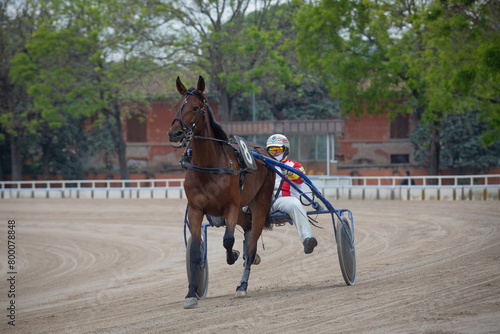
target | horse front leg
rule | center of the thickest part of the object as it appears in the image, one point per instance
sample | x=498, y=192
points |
x=195, y=220
x=228, y=241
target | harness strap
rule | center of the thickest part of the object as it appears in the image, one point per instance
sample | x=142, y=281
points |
x=208, y=169
x=275, y=197
x=185, y=127
x=210, y=138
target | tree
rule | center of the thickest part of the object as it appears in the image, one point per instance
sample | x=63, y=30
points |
x=464, y=71
x=233, y=50
x=68, y=151
x=51, y=67
x=297, y=94
x=16, y=115
x=403, y=56
x=303, y=99
x=460, y=139
x=77, y=60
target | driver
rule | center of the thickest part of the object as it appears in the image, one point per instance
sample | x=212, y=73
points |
x=285, y=197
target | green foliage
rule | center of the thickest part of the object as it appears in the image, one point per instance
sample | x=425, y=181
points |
x=287, y=91
x=67, y=150
x=437, y=57
x=73, y=65
x=349, y=44
x=52, y=68
x=305, y=99
x=461, y=147
x=462, y=50
x=239, y=50
x=67, y=62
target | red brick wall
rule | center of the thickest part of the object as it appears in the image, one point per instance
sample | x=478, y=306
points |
x=367, y=143
x=366, y=129
x=157, y=153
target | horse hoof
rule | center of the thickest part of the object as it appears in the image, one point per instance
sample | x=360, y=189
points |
x=256, y=261
x=231, y=261
x=240, y=293
x=190, y=302
x=236, y=255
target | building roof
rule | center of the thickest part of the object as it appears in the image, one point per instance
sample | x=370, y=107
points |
x=158, y=84
x=284, y=126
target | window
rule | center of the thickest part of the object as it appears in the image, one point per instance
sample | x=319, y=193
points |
x=400, y=127
x=308, y=147
x=400, y=158
x=303, y=147
x=136, y=129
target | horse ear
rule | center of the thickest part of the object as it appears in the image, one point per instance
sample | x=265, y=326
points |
x=180, y=86
x=201, y=84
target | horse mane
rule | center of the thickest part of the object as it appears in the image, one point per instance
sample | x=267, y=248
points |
x=217, y=129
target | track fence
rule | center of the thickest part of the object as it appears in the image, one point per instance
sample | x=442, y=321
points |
x=98, y=189
x=446, y=187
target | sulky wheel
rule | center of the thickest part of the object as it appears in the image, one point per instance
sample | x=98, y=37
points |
x=202, y=272
x=346, y=252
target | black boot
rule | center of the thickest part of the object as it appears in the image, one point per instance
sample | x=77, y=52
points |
x=309, y=245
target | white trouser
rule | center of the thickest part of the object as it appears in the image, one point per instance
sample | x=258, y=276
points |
x=296, y=211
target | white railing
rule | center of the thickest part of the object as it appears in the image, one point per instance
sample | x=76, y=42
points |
x=438, y=180
x=442, y=187
x=92, y=184
x=144, y=188
x=453, y=187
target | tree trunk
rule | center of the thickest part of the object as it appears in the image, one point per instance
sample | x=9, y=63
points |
x=45, y=161
x=435, y=150
x=119, y=142
x=2, y=177
x=16, y=156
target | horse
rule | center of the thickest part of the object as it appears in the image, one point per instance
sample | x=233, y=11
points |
x=216, y=184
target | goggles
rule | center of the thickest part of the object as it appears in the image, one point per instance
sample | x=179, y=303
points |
x=275, y=149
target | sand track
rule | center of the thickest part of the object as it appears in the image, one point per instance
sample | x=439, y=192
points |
x=118, y=266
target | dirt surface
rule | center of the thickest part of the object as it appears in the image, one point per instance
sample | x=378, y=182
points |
x=118, y=266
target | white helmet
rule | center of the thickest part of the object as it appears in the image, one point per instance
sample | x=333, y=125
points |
x=277, y=140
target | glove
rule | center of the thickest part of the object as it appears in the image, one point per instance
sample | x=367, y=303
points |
x=285, y=171
x=289, y=175
x=292, y=176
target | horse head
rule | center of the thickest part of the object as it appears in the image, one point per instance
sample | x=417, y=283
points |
x=190, y=110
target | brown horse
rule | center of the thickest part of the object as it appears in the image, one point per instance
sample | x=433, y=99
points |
x=215, y=184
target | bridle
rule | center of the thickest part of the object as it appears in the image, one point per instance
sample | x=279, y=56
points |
x=189, y=132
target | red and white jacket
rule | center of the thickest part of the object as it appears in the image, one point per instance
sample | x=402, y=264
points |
x=286, y=188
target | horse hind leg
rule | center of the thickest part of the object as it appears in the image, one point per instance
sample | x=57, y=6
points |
x=251, y=238
x=259, y=207
x=257, y=259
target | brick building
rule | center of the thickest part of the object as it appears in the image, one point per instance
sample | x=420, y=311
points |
x=368, y=145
